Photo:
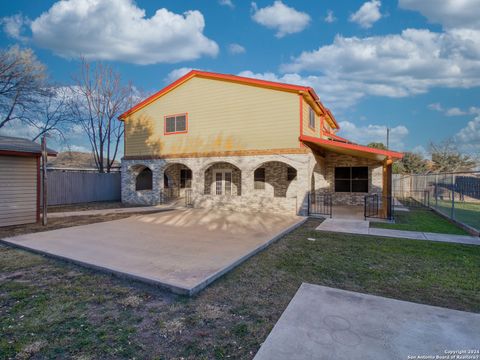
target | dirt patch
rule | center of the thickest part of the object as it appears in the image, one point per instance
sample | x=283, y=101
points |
x=59, y=223
x=99, y=205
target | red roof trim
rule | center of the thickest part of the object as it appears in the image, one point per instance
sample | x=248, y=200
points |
x=227, y=77
x=351, y=146
x=247, y=80
x=156, y=95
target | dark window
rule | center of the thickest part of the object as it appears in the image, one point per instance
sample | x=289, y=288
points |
x=185, y=178
x=311, y=118
x=144, y=180
x=165, y=181
x=259, y=179
x=351, y=179
x=175, y=124
x=291, y=174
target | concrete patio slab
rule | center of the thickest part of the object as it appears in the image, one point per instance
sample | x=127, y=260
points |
x=183, y=250
x=327, y=323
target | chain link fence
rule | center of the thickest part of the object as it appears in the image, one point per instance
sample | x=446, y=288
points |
x=455, y=195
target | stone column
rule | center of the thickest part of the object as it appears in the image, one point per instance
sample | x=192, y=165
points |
x=157, y=182
x=303, y=186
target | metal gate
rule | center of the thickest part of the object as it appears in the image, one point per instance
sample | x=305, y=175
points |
x=188, y=198
x=375, y=206
x=319, y=204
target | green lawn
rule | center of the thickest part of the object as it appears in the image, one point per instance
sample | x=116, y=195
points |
x=467, y=213
x=421, y=220
x=51, y=309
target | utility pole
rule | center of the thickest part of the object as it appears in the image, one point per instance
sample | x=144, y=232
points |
x=44, y=180
x=388, y=138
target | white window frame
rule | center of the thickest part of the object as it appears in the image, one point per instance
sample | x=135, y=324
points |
x=311, y=118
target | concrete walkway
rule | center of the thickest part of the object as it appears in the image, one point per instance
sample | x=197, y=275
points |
x=332, y=324
x=362, y=227
x=125, y=210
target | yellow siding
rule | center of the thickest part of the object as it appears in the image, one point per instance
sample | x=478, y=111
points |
x=307, y=130
x=222, y=116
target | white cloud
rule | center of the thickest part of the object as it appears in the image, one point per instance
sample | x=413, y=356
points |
x=419, y=149
x=448, y=13
x=285, y=20
x=236, y=49
x=455, y=111
x=469, y=137
x=18, y=128
x=368, y=14
x=374, y=133
x=396, y=65
x=177, y=73
x=436, y=107
x=14, y=26
x=119, y=30
x=228, y=3
x=334, y=94
x=330, y=18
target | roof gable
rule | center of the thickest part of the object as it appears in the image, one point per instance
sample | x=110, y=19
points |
x=302, y=90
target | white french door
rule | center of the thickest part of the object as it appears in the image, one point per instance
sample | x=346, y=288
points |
x=222, y=182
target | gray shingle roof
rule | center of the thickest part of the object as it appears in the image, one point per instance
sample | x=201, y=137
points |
x=10, y=143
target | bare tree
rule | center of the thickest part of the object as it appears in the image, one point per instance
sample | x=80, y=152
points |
x=100, y=97
x=52, y=114
x=447, y=158
x=22, y=79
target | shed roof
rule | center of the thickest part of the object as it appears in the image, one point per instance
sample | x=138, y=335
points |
x=13, y=145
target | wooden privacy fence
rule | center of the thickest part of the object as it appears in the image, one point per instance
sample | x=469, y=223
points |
x=72, y=187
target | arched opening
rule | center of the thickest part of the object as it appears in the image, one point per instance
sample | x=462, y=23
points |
x=144, y=179
x=223, y=179
x=176, y=179
x=274, y=178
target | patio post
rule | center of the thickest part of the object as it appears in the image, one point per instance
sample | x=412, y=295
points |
x=387, y=188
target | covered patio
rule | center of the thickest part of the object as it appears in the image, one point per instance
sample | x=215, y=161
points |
x=349, y=180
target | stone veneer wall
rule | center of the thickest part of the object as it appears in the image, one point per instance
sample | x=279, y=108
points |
x=250, y=199
x=236, y=178
x=313, y=173
x=324, y=177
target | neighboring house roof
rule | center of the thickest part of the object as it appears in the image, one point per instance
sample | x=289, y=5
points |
x=302, y=90
x=10, y=144
x=351, y=149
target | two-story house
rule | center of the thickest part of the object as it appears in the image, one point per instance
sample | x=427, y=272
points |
x=225, y=140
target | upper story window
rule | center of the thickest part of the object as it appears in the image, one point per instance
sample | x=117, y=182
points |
x=175, y=124
x=311, y=118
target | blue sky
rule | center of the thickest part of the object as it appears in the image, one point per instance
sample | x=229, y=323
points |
x=413, y=66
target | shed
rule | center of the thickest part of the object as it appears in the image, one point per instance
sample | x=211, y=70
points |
x=20, y=180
